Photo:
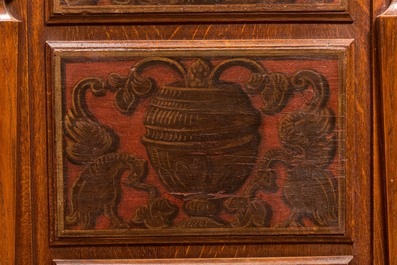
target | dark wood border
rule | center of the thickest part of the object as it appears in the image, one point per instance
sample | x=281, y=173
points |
x=341, y=48
x=331, y=260
x=194, y=13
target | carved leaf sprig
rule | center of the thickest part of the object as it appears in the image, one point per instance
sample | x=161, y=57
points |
x=130, y=90
x=274, y=89
x=305, y=79
x=248, y=212
x=256, y=83
x=159, y=213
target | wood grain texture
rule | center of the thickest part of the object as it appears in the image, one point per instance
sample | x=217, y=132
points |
x=358, y=140
x=23, y=231
x=149, y=12
x=8, y=133
x=387, y=38
x=35, y=165
x=304, y=54
x=24, y=228
x=336, y=260
x=379, y=200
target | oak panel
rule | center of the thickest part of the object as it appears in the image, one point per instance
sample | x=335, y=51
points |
x=8, y=134
x=387, y=23
x=80, y=11
x=185, y=207
x=34, y=230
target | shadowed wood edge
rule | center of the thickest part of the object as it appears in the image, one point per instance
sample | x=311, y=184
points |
x=387, y=57
x=333, y=260
x=8, y=133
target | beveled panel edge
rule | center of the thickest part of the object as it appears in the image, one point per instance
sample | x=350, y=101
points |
x=387, y=85
x=321, y=47
x=194, y=8
x=238, y=17
x=182, y=14
x=277, y=44
x=330, y=260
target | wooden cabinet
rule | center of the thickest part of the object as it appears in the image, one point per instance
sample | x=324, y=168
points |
x=192, y=132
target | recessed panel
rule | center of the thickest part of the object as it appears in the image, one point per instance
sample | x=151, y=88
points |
x=190, y=10
x=224, y=140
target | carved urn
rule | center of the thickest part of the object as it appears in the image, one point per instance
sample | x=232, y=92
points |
x=202, y=139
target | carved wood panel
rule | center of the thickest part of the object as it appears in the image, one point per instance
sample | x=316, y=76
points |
x=209, y=140
x=337, y=260
x=188, y=10
x=32, y=190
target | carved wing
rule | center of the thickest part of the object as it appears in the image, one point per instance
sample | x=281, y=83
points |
x=87, y=139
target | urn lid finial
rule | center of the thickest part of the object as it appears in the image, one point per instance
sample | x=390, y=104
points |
x=198, y=74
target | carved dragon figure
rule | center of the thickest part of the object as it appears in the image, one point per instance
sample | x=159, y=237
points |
x=97, y=189
x=309, y=147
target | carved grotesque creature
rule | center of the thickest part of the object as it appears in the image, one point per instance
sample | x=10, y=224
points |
x=97, y=190
x=310, y=189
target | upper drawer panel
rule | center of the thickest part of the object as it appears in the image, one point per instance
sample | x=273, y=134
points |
x=193, y=10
